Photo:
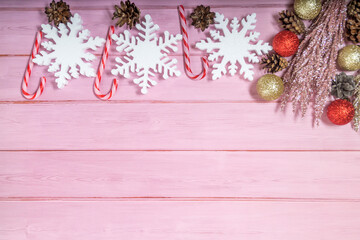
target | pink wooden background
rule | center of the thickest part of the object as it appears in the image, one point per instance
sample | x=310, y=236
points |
x=202, y=160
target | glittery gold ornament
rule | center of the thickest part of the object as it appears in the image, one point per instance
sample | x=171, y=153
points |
x=307, y=9
x=270, y=87
x=349, y=58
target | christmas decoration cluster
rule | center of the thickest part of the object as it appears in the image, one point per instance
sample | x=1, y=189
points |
x=307, y=58
x=310, y=76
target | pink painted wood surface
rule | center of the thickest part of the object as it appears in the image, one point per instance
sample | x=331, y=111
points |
x=169, y=169
x=127, y=174
x=179, y=220
x=178, y=126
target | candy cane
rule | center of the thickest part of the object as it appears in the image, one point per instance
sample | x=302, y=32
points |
x=187, y=49
x=25, y=82
x=101, y=70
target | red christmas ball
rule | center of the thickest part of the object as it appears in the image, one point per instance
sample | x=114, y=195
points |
x=340, y=112
x=285, y=43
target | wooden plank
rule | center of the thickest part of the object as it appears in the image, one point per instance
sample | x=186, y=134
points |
x=173, y=89
x=143, y=4
x=181, y=126
x=243, y=175
x=179, y=220
x=21, y=28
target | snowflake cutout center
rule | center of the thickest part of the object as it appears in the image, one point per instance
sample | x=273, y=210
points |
x=62, y=54
x=152, y=54
x=232, y=53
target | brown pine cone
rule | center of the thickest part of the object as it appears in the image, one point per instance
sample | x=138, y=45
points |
x=352, y=28
x=274, y=63
x=291, y=22
x=128, y=13
x=202, y=17
x=353, y=8
x=59, y=12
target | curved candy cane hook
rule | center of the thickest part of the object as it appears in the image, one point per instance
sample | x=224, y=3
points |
x=187, y=49
x=25, y=82
x=101, y=70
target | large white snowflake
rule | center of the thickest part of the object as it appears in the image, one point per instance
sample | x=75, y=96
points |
x=146, y=54
x=68, y=50
x=234, y=46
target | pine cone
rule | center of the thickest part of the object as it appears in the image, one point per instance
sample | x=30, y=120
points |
x=202, y=17
x=353, y=30
x=274, y=63
x=127, y=13
x=353, y=8
x=343, y=87
x=291, y=22
x=59, y=12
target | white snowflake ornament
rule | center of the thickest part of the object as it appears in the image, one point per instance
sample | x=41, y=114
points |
x=234, y=46
x=146, y=54
x=68, y=50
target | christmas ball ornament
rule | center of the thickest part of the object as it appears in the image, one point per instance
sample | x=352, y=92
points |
x=349, y=58
x=285, y=43
x=270, y=87
x=307, y=9
x=340, y=112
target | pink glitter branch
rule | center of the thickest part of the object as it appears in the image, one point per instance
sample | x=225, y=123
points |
x=314, y=66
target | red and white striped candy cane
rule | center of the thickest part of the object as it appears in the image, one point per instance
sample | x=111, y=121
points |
x=25, y=82
x=187, y=49
x=101, y=70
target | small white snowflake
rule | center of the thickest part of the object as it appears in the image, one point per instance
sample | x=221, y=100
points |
x=234, y=46
x=68, y=50
x=146, y=54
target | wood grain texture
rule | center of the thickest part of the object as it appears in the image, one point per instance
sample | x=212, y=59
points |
x=179, y=126
x=244, y=175
x=191, y=160
x=178, y=220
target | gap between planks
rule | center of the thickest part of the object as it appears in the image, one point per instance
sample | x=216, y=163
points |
x=181, y=150
x=172, y=199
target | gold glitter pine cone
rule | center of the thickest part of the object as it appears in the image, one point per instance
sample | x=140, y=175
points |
x=127, y=13
x=58, y=12
x=349, y=58
x=307, y=9
x=352, y=32
x=291, y=22
x=202, y=17
x=274, y=63
x=270, y=87
x=353, y=8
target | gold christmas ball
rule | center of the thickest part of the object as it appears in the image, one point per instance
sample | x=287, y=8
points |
x=270, y=87
x=349, y=58
x=307, y=9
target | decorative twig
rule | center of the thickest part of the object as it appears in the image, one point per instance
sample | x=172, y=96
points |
x=314, y=66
